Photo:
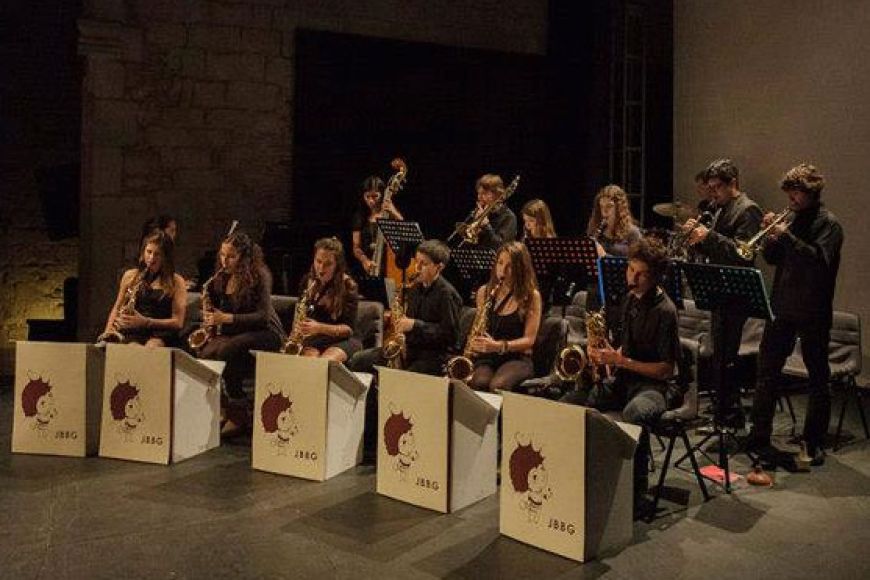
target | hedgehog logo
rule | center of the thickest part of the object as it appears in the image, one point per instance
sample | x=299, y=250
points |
x=37, y=401
x=529, y=477
x=276, y=414
x=126, y=407
x=399, y=442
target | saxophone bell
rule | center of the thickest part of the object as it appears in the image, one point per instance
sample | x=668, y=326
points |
x=571, y=362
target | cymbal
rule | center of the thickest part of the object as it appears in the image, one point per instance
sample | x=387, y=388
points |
x=677, y=209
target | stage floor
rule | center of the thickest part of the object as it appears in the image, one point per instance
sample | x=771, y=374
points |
x=213, y=517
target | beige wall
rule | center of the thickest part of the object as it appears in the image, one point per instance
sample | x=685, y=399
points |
x=772, y=83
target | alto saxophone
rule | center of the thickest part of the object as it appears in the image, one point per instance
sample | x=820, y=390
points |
x=127, y=307
x=394, y=342
x=200, y=337
x=461, y=367
x=294, y=343
x=596, y=337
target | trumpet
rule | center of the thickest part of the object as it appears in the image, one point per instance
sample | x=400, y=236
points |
x=200, y=337
x=679, y=243
x=747, y=249
x=470, y=231
x=462, y=367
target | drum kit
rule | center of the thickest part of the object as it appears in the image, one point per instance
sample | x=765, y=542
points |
x=679, y=212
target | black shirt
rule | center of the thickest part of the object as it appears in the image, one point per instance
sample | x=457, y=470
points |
x=739, y=219
x=435, y=311
x=251, y=310
x=807, y=258
x=502, y=227
x=648, y=332
x=368, y=232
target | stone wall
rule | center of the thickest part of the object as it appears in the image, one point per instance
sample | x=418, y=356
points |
x=188, y=109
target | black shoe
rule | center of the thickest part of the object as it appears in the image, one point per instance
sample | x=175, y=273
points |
x=643, y=508
x=817, y=456
x=733, y=419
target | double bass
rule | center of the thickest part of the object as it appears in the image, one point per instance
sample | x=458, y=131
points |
x=383, y=258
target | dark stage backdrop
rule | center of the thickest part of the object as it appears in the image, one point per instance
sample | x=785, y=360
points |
x=452, y=114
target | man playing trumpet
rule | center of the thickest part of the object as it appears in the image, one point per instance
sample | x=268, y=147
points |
x=806, y=253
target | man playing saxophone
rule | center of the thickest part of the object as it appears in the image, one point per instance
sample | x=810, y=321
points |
x=430, y=320
x=806, y=254
x=645, y=355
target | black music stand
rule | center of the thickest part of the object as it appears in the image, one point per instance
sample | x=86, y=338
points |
x=612, y=285
x=403, y=237
x=574, y=260
x=473, y=264
x=737, y=289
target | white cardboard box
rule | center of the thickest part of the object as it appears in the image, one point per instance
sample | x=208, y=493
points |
x=309, y=416
x=160, y=405
x=58, y=392
x=566, y=483
x=437, y=441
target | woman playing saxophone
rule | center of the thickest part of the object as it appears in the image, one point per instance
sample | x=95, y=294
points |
x=152, y=299
x=503, y=354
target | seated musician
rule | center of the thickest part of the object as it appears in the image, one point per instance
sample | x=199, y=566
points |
x=537, y=221
x=334, y=299
x=611, y=223
x=364, y=227
x=431, y=317
x=644, y=357
x=503, y=354
x=500, y=225
x=242, y=311
x=159, y=294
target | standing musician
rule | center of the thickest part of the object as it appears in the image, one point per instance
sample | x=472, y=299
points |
x=500, y=225
x=329, y=328
x=504, y=352
x=431, y=316
x=646, y=355
x=242, y=310
x=611, y=223
x=159, y=293
x=806, y=254
x=364, y=226
x=738, y=218
x=537, y=221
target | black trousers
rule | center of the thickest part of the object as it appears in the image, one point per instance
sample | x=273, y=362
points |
x=726, y=330
x=777, y=343
x=235, y=350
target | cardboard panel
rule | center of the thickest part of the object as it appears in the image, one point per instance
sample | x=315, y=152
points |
x=542, y=500
x=413, y=438
x=474, y=448
x=196, y=406
x=346, y=414
x=53, y=383
x=137, y=403
x=290, y=421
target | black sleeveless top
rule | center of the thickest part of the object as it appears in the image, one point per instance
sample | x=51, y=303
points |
x=508, y=326
x=153, y=303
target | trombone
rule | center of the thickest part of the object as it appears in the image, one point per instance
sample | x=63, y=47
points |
x=747, y=249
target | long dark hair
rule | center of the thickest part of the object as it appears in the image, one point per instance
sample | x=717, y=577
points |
x=166, y=274
x=623, y=218
x=371, y=183
x=523, y=279
x=342, y=286
x=250, y=271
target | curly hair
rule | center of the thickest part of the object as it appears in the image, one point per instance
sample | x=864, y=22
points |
x=250, y=271
x=803, y=177
x=272, y=407
x=31, y=394
x=396, y=426
x=624, y=219
x=523, y=460
x=651, y=252
x=121, y=395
